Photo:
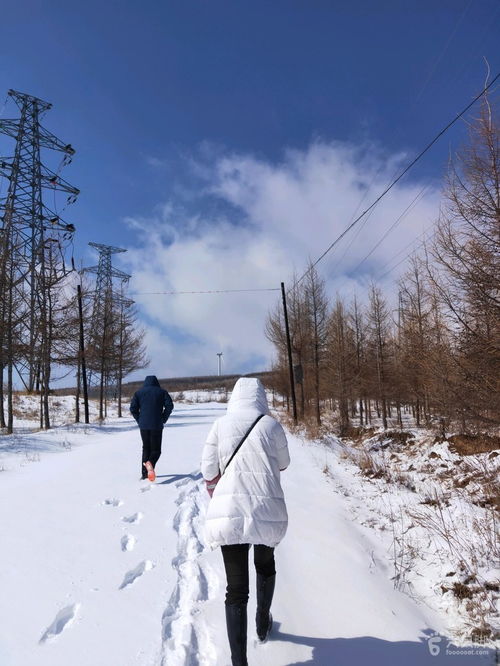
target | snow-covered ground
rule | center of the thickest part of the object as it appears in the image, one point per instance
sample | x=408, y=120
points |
x=437, y=510
x=99, y=568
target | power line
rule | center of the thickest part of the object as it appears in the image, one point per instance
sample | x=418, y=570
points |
x=393, y=225
x=414, y=103
x=422, y=242
x=396, y=180
x=365, y=221
x=420, y=93
x=412, y=242
x=355, y=236
x=445, y=48
x=213, y=291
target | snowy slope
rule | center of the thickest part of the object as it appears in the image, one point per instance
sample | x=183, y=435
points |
x=26, y=410
x=99, y=568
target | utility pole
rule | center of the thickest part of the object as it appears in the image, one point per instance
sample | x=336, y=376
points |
x=103, y=312
x=29, y=232
x=82, y=365
x=219, y=362
x=290, y=361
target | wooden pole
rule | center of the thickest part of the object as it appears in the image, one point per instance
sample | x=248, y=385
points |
x=78, y=390
x=290, y=362
x=82, y=357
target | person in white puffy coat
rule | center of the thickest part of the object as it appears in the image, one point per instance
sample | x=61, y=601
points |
x=247, y=506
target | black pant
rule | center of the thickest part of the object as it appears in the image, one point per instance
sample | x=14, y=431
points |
x=236, y=565
x=151, y=447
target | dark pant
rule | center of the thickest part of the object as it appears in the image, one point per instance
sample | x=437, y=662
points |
x=151, y=447
x=236, y=565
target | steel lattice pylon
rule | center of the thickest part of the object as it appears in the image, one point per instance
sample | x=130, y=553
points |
x=30, y=230
x=105, y=319
x=103, y=295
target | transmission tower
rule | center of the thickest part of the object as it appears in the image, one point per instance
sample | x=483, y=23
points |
x=103, y=295
x=103, y=317
x=30, y=231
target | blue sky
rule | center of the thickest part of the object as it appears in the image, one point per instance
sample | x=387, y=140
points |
x=183, y=112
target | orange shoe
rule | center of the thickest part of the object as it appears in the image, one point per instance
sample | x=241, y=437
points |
x=151, y=470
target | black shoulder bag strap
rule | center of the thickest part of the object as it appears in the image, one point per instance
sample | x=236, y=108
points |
x=241, y=442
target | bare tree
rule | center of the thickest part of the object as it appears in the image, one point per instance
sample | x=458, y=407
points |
x=413, y=336
x=466, y=274
x=379, y=329
x=357, y=325
x=340, y=366
x=130, y=351
x=441, y=356
x=316, y=307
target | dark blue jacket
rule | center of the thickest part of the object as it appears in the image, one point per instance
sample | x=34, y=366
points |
x=151, y=405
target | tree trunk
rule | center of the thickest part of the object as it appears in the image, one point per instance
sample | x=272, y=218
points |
x=2, y=410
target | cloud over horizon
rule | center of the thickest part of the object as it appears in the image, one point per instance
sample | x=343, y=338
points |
x=273, y=219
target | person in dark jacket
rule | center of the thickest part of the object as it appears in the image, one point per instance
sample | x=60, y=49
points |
x=151, y=406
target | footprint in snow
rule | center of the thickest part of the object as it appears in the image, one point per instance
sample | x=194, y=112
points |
x=112, y=501
x=63, y=619
x=128, y=542
x=134, y=574
x=183, y=639
x=134, y=518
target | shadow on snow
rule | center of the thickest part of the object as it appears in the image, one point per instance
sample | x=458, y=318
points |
x=172, y=478
x=379, y=652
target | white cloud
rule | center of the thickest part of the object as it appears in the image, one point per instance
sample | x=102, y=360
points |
x=285, y=214
x=155, y=162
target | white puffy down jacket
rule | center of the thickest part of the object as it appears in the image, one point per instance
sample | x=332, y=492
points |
x=248, y=505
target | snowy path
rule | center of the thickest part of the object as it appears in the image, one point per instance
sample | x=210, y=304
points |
x=99, y=568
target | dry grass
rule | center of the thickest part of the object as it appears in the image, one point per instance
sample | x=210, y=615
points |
x=469, y=548
x=327, y=472
x=369, y=467
x=379, y=469
x=468, y=541
x=400, y=437
x=307, y=428
x=435, y=500
x=23, y=412
x=402, y=479
x=357, y=434
x=468, y=445
x=286, y=420
x=482, y=482
x=462, y=590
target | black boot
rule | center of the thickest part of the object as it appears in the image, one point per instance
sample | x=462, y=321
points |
x=263, y=618
x=236, y=622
